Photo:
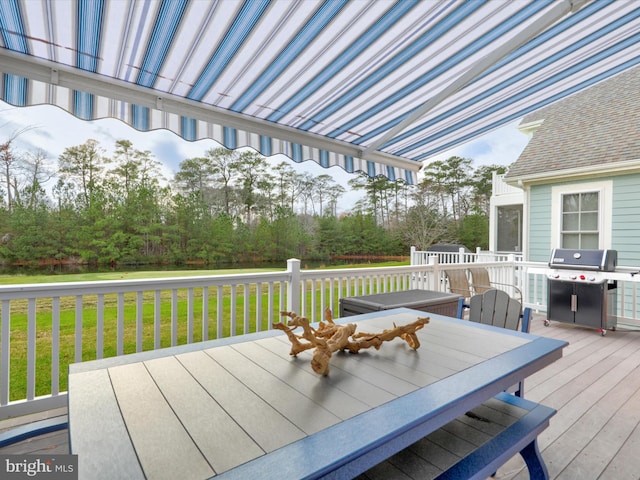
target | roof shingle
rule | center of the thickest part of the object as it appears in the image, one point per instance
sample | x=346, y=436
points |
x=600, y=125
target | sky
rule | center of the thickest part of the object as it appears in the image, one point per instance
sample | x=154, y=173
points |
x=53, y=130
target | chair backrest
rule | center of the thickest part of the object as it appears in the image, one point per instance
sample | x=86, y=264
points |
x=481, y=283
x=480, y=280
x=495, y=307
x=458, y=282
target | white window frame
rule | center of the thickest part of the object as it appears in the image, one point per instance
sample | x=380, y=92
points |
x=605, y=211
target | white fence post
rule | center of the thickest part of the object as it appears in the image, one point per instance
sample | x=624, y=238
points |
x=293, y=287
x=437, y=284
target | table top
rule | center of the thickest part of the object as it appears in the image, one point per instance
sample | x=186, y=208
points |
x=237, y=406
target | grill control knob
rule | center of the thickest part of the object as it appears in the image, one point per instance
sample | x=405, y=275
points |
x=573, y=277
x=592, y=279
x=582, y=277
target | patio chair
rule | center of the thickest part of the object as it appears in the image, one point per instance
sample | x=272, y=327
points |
x=497, y=308
x=480, y=279
x=481, y=283
x=458, y=282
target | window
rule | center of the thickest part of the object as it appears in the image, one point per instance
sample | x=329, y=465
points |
x=509, y=228
x=580, y=220
x=581, y=215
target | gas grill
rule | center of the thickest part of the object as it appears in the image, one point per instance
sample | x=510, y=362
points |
x=579, y=291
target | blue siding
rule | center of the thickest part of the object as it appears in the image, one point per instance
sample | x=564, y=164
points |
x=626, y=219
x=540, y=223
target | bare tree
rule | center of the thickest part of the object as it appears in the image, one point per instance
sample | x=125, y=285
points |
x=335, y=192
x=321, y=187
x=425, y=223
x=304, y=182
x=9, y=160
x=37, y=169
x=284, y=177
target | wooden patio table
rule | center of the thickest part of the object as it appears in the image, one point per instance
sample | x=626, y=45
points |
x=241, y=407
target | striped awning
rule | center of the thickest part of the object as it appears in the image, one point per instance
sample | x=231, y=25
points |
x=370, y=85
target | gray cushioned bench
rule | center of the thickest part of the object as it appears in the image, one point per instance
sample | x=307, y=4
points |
x=474, y=445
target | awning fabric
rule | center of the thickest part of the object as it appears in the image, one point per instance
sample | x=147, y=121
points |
x=371, y=85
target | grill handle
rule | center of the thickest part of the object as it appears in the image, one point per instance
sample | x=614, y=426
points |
x=574, y=303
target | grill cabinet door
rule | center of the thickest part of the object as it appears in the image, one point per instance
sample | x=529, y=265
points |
x=590, y=305
x=559, y=304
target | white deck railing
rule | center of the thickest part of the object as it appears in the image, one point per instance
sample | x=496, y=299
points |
x=44, y=327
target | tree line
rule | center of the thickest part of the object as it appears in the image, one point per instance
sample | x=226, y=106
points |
x=222, y=207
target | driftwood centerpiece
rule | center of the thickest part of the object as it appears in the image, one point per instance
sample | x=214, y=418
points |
x=330, y=337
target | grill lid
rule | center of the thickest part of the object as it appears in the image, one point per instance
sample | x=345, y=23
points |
x=580, y=259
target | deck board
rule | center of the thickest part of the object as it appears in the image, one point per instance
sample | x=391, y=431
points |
x=595, y=386
x=596, y=389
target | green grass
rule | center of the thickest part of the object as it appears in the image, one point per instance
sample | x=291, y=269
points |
x=92, y=277
x=90, y=334
x=19, y=322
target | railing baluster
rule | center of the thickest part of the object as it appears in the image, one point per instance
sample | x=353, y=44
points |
x=270, y=304
x=282, y=298
x=232, y=328
x=205, y=313
x=258, y=307
x=5, y=366
x=139, y=320
x=120, y=328
x=190, y=315
x=174, y=317
x=219, y=318
x=321, y=288
x=78, y=331
x=100, y=327
x=303, y=298
x=245, y=312
x=55, y=345
x=314, y=303
x=31, y=349
x=157, y=319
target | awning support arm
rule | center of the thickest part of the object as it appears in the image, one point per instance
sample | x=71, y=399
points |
x=557, y=11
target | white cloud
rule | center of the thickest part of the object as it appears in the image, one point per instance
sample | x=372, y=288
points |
x=501, y=146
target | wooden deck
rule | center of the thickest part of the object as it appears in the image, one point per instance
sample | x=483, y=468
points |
x=595, y=387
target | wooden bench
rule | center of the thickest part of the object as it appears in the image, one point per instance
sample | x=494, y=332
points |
x=474, y=445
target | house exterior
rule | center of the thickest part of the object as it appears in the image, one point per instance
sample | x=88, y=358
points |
x=578, y=178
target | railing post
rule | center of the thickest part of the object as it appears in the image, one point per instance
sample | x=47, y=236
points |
x=437, y=285
x=293, y=288
x=516, y=276
x=412, y=256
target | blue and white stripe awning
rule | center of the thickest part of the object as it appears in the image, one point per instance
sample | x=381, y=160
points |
x=371, y=85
